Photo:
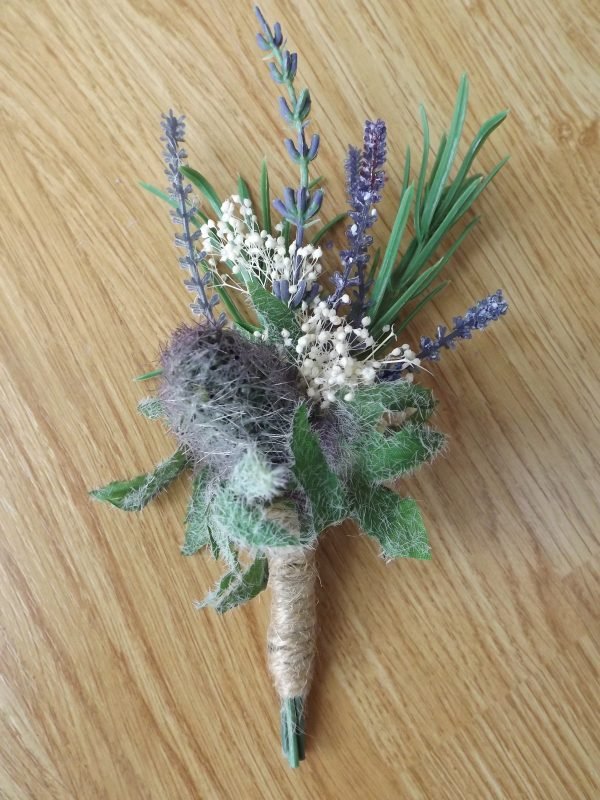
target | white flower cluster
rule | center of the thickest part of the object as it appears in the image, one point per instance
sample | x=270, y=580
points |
x=236, y=238
x=328, y=353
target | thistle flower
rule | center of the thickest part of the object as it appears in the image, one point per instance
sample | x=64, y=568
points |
x=364, y=181
x=174, y=157
x=225, y=396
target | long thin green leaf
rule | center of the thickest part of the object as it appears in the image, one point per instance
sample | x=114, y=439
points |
x=385, y=271
x=484, y=132
x=204, y=187
x=148, y=375
x=422, y=174
x=423, y=254
x=265, y=196
x=420, y=306
x=328, y=226
x=315, y=182
x=451, y=250
x=243, y=189
x=447, y=158
x=374, y=265
x=406, y=174
x=199, y=218
x=418, y=285
x=437, y=161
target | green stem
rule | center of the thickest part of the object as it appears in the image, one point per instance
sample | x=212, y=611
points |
x=292, y=730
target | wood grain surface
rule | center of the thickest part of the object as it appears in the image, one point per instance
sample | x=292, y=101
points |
x=472, y=676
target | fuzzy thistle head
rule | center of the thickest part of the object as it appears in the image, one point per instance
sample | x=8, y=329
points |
x=229, y=399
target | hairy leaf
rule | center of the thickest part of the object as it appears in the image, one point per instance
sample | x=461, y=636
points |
x=272, y=312
x=197, y=530
x=151, y=408
x=371, y=403
x=383, y=457
x=246, y=525
x=134, y=494
x=394, y=521
x=237, y=587
x=322, y=486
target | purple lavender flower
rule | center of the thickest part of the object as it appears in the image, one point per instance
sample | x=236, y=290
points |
x=364, y=181
x=298, y=206
x=174, y=157
x=476, y=318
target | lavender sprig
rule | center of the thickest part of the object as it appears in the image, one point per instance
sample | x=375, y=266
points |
x=298, y=206
x=365, y=178
x=174, y=157
x=476, y=318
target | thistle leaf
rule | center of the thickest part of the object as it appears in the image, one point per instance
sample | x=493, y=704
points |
x=272, y=312
x=151, y=408
x=322, y=486
x=197, y=530
x=247, y=525
x=394, y=521
x=384, y=457
x=236, y=587
x=371, y=403
x=134, y=494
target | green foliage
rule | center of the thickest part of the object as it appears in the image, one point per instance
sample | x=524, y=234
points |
x=384, y=273
x=151, y=408
x=292, y=729
x=134, y=494
x=148, y=375
x=323, y=488
x=204, y=187
x=394, y=521
x=237, y=587
x=274, y=315
x=328, y=226
x=197, y=530
x=265, y=196
x=199, y=218
x=439, y=203
x=386, y=456
x=371, y=403
x=245, y=525
x=254, y=478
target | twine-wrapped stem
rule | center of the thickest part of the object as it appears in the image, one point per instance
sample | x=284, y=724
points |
x=292, y=633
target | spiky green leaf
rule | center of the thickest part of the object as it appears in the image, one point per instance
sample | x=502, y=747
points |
x=246, y=525
x=197, y=529
x=371, y=403
x=238, y=587
x=322, y=486
x=134, y=494
x=151, y=408
x=395, y=522
x=386, y=456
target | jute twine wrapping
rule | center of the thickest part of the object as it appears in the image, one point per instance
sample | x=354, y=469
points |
x=292, y=633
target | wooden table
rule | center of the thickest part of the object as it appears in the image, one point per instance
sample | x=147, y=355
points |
x=472, y=676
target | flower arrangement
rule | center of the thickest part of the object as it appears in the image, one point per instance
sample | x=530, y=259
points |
x=293, y=401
